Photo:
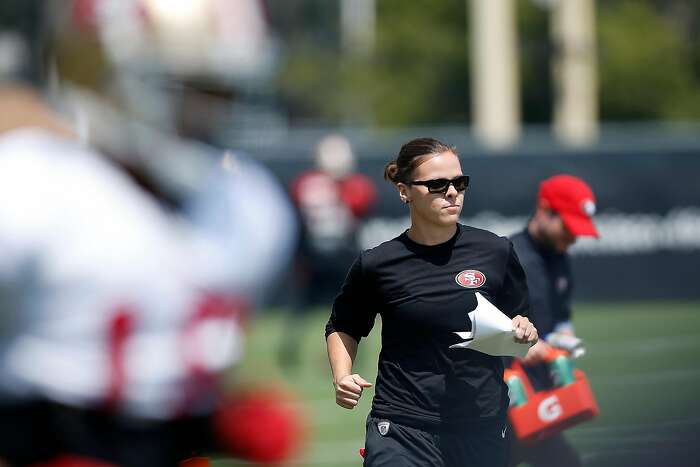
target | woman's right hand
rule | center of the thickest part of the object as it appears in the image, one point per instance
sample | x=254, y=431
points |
x=348, y=390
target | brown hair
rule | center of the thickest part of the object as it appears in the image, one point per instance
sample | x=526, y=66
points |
x=411, y=155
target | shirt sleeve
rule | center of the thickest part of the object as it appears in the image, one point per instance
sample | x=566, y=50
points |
x=353, y=309
x=513, y=298
x=239, y=246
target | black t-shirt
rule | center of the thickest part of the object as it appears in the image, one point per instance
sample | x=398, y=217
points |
x=423, y=294
x=549, y=279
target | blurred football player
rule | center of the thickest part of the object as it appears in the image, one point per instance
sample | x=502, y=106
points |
x=118, y=314
x=332, y=199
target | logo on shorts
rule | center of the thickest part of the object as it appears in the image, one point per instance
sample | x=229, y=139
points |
x=383, y=427
x=470, y=278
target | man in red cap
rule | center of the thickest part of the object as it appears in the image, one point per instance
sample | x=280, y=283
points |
x=565, y=206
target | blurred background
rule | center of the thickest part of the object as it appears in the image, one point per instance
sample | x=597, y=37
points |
x=324, y=93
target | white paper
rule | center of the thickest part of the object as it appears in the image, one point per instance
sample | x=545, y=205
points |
x=492, y=332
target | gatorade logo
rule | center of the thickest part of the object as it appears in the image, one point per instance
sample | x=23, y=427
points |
x=470, y=278
x=549, y=409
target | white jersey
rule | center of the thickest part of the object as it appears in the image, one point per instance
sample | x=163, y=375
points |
x=105, y=296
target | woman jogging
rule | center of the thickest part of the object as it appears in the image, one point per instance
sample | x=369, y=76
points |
x=433, y=405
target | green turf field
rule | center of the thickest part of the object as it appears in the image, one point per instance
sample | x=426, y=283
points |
x=642, y=362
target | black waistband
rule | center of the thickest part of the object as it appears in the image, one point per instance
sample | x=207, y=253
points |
x=440, y=426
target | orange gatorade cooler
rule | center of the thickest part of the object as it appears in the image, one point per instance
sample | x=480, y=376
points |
x=539, y=415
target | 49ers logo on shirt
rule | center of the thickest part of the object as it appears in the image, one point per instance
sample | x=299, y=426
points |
x=470, y=278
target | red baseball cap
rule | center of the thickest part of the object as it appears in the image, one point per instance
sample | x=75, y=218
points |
x=573, y=200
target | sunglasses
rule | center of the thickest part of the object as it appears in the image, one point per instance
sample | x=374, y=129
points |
x=441, y=185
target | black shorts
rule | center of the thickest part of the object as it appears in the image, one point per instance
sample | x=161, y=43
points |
x=390, y=444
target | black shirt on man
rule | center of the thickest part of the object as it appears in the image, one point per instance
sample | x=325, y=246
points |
x=549, y=279
x=423, y=294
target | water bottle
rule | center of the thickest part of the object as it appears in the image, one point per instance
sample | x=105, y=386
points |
x=516, y=390
x=561, y=368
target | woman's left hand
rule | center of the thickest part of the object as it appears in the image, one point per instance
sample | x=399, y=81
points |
x=525, y=331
